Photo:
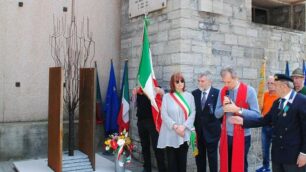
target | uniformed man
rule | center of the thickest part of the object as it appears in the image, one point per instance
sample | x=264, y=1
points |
x=266, y=135
x=298, y=78
x=288, y=120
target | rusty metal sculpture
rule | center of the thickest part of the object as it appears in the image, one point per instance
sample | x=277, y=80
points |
x=72, y=47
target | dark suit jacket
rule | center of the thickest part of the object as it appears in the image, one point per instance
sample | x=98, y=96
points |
x=208, y=127
x=289, y=131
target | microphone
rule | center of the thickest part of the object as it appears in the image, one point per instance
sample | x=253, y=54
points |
x=227, y=95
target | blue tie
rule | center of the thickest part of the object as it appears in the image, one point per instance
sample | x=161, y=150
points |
x=203, y=100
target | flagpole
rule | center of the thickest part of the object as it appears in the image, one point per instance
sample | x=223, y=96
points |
x=134, y=97
x=304, y=71
x=144, y=23
x=257, y=131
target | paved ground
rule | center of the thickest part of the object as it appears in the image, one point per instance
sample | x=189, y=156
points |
x=6, y=166
x=135, y=166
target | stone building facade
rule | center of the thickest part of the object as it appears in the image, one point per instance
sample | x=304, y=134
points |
x=185, y=38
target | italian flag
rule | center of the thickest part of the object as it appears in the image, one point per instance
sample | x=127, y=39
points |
x=123, y=116
x=146, y=78
x=261, y=87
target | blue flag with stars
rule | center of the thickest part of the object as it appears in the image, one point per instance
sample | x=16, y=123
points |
x=111, y=104
x=304, y=70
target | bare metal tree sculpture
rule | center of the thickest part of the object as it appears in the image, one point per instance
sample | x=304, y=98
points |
x=71, y=49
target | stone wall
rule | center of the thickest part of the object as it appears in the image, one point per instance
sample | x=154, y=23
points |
x=187, y=40
x=29, y=140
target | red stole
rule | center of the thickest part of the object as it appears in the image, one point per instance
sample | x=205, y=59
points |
x=238, y=135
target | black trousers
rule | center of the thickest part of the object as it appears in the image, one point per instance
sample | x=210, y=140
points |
x=211, y=149
x=247, y=144
x=177, y=158
x=147, y=135
x=276, y=167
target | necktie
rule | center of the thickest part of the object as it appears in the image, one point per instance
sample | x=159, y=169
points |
x=281, y=103
x=203, y=99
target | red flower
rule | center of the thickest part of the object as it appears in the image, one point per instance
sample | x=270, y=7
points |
x=114, y=144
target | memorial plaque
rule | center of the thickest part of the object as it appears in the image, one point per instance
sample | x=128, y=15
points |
x=212, y=6
x=140, y=7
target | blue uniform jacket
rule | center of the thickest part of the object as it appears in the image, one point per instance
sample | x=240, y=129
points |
x=289, y=129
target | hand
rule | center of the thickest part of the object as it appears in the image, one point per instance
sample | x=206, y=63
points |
x=159, y=91
x=301, y=161
x=231, y=108
x=134, y=91
x=236, y=120
x=226, y=100
x=174, y=127
x=180, y=130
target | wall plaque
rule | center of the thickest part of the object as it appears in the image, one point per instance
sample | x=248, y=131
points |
x=140, y=7
x=213, y=6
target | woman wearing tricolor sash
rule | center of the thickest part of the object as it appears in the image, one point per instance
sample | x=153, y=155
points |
x=177, y=130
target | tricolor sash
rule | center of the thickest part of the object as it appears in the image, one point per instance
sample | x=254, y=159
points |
x=238, y=135
x=180, y=100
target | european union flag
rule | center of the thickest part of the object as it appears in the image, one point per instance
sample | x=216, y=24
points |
x=304, y=70
x=111, y=104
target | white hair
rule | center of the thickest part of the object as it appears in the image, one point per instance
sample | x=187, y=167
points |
x=289, y=84
x=207, y=74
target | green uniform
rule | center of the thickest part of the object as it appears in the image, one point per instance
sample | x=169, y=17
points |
x=303, y=90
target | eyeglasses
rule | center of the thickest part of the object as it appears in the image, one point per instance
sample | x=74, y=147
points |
x=178, y=81
x=270, y=83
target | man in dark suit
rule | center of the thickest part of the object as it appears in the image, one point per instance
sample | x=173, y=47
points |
x=288, y=120
x=208, y=127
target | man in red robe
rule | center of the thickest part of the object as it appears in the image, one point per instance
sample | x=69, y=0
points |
x=235, y=98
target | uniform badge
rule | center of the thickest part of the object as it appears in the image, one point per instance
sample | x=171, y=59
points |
x=285, y=110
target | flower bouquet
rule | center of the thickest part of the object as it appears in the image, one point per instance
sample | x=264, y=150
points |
x=121, y=145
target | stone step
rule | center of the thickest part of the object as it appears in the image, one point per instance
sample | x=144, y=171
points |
x=77, y=155
x=68, y=165
x=77, y=169
x=81, y=170
x=75, y=161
